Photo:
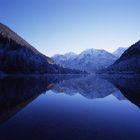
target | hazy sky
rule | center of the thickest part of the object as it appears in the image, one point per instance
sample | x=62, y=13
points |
x=59, y=26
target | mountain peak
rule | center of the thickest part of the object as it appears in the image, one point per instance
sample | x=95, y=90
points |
x=89, y=60
x=94, y=50
x=118, y=52
x=94, y=53
x=70, y=53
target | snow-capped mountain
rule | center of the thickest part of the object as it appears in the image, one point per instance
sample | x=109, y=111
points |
x=70, y=55
x=64, y=60
x=90, y=60
x=119, y=51
x=129, y=61
x=18, y=56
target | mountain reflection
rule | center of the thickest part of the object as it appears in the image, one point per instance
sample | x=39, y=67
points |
x=122, y=87
x=90, y=87
x=17, y=92
x=129, y=87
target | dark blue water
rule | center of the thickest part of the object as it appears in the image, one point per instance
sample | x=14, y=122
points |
x=72, y=108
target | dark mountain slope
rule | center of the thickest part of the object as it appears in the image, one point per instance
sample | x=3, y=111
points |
x=18, y=56
x=129, y=61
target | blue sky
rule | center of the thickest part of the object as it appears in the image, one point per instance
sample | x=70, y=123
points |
x=60, y=26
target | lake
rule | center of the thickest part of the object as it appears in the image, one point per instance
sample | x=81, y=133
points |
x=72, y=107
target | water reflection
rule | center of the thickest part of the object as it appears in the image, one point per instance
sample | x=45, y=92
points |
x=122, y=87
x=129, y=87
x=67, y=112
x=17, y=92
x=90, y=87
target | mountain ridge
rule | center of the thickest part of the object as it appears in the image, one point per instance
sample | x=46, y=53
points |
x=19, y=57
x=89, y=60
x=128, y=62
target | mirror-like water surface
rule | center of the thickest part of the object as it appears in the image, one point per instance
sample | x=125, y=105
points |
x=70, y=108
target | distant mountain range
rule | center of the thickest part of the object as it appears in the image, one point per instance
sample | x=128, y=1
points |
x=129, y=62
x=18, y=56
x=90, y=60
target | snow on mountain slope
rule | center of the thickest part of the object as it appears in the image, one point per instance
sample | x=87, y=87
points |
x=119, y=51
x=89, y=60
x=64, y=60
x=70, y=55
x=67, y=56
x=93, y=60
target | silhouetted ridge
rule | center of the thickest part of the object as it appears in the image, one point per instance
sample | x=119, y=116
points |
x=18, y=56
x=129, y=62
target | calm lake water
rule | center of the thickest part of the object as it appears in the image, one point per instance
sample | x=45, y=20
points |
x=70, y=108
